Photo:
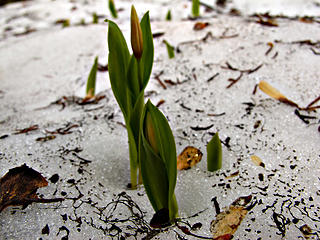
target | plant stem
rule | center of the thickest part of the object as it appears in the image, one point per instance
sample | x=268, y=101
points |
x=134, y=135
x=173, y=208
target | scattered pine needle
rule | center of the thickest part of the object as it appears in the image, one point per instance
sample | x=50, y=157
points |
x=274, y=93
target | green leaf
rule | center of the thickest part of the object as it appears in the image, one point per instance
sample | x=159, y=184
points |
x=91, y=82
x=165, y=142
x=146, y=61
x=133, y=79
x=112, y=9
x=214, y=154
x=166, y=148
x=170, y=49
x=135, y=115
x=154, y=176
x=195, y=8
x=118, y=61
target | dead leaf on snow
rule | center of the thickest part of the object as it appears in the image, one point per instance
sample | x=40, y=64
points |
x=274, y=93
x=257, y=161
x=189, y=157
x=306, y=231
x=200, y=25
x=228, y=221
x=19, y=187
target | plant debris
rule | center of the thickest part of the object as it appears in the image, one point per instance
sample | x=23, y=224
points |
x=19, y=186
x=274, y=93
x=197, y=128
x=306, y=231
x=46, y=138
x=269, y=22
x=161, y=101
x=271, y=45
x=102, y=68
x=228, y=221
x=247, y=71
x=189, y=157
x=257, y=161
x=26, y=130
x=64, y=130
x=157, y=77
x=45, y=230
x=200, y=25
x=66, y=101
x=160, y=219
x=304, y=118
x=233, y=81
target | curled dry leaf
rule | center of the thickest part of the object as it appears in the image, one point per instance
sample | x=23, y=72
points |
x=228, y=221
x=257, y=161
x=274, y=93
x=306, y=231
x=19, y=186
x=200, y=25
x=189, y=157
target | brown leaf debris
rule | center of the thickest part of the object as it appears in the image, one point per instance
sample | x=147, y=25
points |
x=189, y=157
x=19, y=187
x=228, y=221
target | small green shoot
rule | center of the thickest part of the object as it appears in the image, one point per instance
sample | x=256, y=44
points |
x=95, y=18
x=158, y=161
x=214, y=154
x=168, y=16
x=91, y=82
x=82, y=22
x=170, y=49
x=113, y=9
x=129, y=75
x=195, y=9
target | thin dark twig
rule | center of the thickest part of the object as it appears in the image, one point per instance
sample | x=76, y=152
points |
x=157, y=77
x=233, y=81
x=314, y=51
x=313, y=102
x=213, y=77
x=270, y=44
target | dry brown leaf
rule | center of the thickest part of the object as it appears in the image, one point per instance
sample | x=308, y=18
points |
x=257, y=161
x=268, y=22
x=19, y=187
x=200, y=25
x=189, y=157
x=228, y=221
x=306, y=231
x=274, y=93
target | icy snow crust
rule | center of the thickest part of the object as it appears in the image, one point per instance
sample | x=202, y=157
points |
x=38, y=68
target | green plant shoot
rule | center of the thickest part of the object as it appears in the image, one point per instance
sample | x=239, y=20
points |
x=170, y=49
x=129, y=75
x=214, y=154
x=168, y=16
x=113, y=9
x=95, y=18
x=195, y=9
x=91, y=82
x=158, y=161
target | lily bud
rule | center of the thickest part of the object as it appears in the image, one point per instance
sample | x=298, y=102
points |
x=136, y=34
x=150, y=133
